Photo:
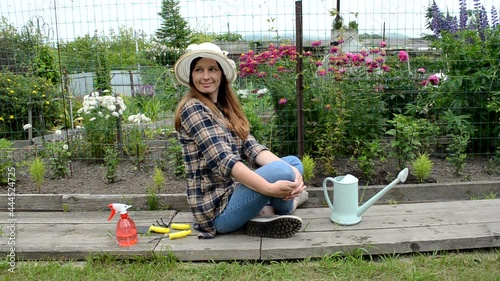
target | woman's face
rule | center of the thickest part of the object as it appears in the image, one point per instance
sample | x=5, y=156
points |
x=207, y=77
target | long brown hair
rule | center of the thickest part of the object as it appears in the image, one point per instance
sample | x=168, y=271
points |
x=227, y=100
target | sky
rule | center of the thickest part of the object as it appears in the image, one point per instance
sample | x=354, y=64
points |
x=69, y=19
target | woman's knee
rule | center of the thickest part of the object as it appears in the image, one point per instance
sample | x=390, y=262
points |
x=294, y=161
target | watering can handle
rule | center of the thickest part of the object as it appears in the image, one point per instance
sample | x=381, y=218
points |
x=325, y=191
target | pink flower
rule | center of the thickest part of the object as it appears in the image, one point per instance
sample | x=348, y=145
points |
x=316, y=43
x=281, y=68
x=307, y=54
x=382, y=44
x=379, y=59
x=403, y=56
x=283, y=101
x=318, y=63
x=334, y=50
x=433, y=79
x=421, y=70
x=261, y=74
x=322, y=72
x=424, y=83
x=385, y=68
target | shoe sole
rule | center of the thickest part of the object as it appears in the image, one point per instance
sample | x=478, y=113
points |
x=276, y=227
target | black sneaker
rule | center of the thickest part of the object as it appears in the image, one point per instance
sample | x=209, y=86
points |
x=274, y=227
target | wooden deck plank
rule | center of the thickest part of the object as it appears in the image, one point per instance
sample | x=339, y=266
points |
x=72, y=241
x=397, y=209
x=322, y=222
x=139, y=217
x=236, y=246
x=384, y=241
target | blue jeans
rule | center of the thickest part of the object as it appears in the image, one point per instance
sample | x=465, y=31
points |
x=245, y=203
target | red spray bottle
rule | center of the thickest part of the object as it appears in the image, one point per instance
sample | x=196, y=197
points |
x=126, y=232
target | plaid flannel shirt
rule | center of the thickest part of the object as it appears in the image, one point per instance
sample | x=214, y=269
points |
x=210, y=151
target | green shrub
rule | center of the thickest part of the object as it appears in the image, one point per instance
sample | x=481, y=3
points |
x=309, y=164
x=422, y=167
x=158, y=178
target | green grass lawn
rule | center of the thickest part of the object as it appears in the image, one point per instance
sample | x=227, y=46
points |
x=474, y=265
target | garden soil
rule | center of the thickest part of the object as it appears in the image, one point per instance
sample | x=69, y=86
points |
x=88, y=177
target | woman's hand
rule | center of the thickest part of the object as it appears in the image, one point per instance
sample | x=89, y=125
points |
x=300, y=186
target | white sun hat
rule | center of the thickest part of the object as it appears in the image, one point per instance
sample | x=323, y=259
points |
x=203, y=50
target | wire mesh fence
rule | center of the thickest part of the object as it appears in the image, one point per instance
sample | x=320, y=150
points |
x=397, y=77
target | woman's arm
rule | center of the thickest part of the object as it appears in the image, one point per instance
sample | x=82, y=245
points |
x=266, y=157
x=246, y=176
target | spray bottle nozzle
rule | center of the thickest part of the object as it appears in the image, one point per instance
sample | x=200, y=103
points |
x=117, y=207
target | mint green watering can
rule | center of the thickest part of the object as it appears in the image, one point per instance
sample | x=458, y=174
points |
x=345, y=210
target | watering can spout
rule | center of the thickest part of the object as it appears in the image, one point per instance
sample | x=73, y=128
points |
x=401, y=178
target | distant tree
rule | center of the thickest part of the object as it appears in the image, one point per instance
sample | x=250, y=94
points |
x=174, y=31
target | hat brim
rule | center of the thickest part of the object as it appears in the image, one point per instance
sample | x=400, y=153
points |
x=183, y=64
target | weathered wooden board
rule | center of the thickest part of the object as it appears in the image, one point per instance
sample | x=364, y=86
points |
x=236, y=246
x=384, y=241
x=422, y=208
x=139, y=217
x=71, y=241
x=28, y=202
x=96, y=202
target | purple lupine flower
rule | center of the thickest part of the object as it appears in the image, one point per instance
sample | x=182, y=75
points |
x=437, y=19
x=483, y=22
x=494, y=17
x=451, y=24
x=463, y=15
x=477, y=5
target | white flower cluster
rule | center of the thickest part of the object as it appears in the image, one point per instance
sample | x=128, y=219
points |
x=94, y=102
x=245, y=92
x=139, y=118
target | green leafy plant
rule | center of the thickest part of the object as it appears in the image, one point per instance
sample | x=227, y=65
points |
x=174, y=156
x=411, y=136
x=422, y=167
x=21, y=94
x=111, y=161
x=37, y=172
x=58, y=155
x=459, y=129
x=153, y=200
x=309, y=165
x=6, y=160
x=456, y=152
x=470, y=44
x=367, y=153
